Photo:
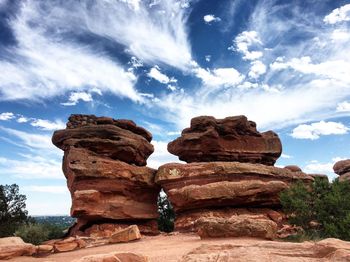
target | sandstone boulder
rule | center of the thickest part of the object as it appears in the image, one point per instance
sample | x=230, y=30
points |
x=293, y=168
x=202, y=185
x=341, y=167
x=113, y=257
x=128, y=234
x=229, y=139
x=106, y=140
x=68, y=244
x=328, y=250
x=11, y=247
x=236, y=226
x=344, y=177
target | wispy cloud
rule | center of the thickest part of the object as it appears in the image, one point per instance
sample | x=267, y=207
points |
x=46, y=189
x=75, y=97
x=156, y=74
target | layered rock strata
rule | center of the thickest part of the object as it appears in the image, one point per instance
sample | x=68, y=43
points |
x=229, y=174
x=104, y=163
x=229, y=139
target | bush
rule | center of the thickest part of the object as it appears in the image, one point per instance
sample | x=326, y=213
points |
x=33, y=233
x=322, y=210
x=37, y=233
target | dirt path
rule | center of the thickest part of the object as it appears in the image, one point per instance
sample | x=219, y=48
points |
x=158, y=248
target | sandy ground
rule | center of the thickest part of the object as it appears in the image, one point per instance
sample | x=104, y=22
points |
x=160, y=248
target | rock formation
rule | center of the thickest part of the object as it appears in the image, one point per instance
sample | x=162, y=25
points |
x=327, y=250
x=11, y=247
x=229, y=139
x=104, y=163
x=342, y=168
x=229, y=174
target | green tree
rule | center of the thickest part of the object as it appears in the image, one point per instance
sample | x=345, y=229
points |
x=33, y=233
x=323, y=204
x=13, y=211
x=166, y=214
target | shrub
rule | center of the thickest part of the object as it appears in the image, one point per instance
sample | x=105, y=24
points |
x=33, y=233
x=322, y=210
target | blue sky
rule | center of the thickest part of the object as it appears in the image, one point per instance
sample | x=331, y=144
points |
x=284, y=64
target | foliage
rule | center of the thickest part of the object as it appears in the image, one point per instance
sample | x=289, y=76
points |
x=322, y=210
x=166, y=214
x=12, y=209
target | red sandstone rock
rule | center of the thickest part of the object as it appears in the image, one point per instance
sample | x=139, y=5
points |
x=344, y=177
x=203, y=185
x=342, y=167
x=328, y=250
x=128, y=234
x=107, y=141
x=293, y=168
x=113, y=257
x=229, y=139
x=11, y=247
x=236, y=226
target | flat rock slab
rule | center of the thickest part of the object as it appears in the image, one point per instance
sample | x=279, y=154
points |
x=328, y=250
x=128, y=234
x=113, y=257
x=230, y=139
x=11, y=247
x=236, y=226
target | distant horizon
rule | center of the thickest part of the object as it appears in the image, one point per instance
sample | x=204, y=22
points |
x=283, y=64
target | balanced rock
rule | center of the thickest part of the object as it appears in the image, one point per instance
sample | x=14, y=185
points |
x=104, y=163
x=229, y=139
x=237, y=226
x=201, y=185
x=106, y=140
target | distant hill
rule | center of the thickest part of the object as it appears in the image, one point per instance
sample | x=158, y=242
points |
x=61, y=221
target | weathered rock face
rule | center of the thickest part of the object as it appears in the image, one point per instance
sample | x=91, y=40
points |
x=236, y=226
x=229, y=139
x=328, y=250
x=11, y=247
x=203, y=185
x=342, y=168
x=130, y=233
x=185, y=221
x=104, y=165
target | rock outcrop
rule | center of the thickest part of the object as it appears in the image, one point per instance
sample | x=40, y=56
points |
x=11, y=247
x=229, y=139
x=237, y=226
x=113, y=257
x=229, y=174
x=328, y=250
x=104, y=163
x=342, y=168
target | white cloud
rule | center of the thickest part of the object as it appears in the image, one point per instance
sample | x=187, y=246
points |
x=315, y=130
x=74, y=98
x=44, y=65
x=285, y=156
x=338, y=15
x=6, y=116
x=46, y=189
x=340, y=35
x=343, y=107
x=244, y=41
x=257, y=69
x=211, y=18
x=159, y=76
x=219, y=76
x=208, y=58
x=316, y=167
x=48, y=125
x=22, y=119
x=161, y=155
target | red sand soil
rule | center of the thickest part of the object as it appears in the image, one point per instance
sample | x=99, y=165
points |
x=160, y=248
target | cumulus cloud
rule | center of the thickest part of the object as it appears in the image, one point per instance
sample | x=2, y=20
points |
x=6, y=116
x=317, y=167
x=211, y=18
x=257, y=69
x=343, y=107
x=219, y=76
x=338, y=15
x=244, y=41
x=156, y=74
x=161, y=155
x=315, y=130
x=75, y=97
